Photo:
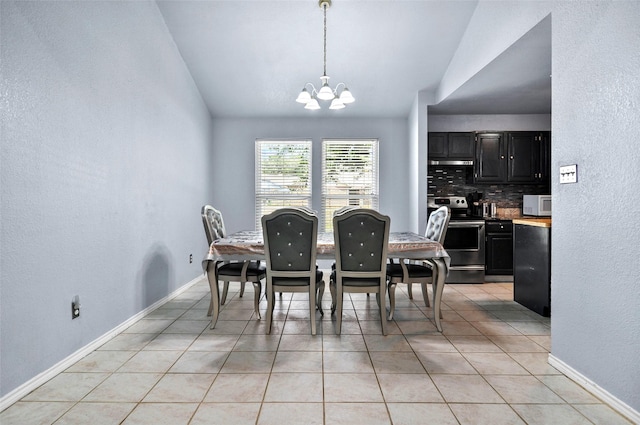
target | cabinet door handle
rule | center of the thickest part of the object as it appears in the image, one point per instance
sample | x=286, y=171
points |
x=511, y=156
x=501, y=156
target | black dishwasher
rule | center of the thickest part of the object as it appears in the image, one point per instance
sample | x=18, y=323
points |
x=499, y=248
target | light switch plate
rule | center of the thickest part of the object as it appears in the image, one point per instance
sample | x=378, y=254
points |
x=569, y=173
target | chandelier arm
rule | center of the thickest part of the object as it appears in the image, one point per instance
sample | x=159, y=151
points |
x=313, y=89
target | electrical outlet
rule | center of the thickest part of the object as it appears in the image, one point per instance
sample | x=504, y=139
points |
x=75, y=307
x=190, y=258
x=569, y=173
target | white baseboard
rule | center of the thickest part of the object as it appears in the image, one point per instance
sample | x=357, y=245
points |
x=616, y=404
x=62, y=365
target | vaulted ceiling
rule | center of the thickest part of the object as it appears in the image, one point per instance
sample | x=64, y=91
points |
x=251, y=58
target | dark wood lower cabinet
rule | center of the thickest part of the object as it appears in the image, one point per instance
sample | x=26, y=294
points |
x=499, y=248
x=532, y=267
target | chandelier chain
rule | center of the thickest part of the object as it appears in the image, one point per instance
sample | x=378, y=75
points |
x=324, y=8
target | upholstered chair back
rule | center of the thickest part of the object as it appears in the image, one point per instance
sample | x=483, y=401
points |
x=361, y=237
x=213, y=223
x=438, y=223
x=289, y=239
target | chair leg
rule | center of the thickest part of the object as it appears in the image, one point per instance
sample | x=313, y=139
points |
x=312, y=309
x=409, y=290
x=225, y=290
x=332, y=289
x=214, y=304
x=392, y=299
x=270, y=301
x=383, y=312
x=425, y=294
x=257, y=289
x=319, y=297
x=241, y=289
x=339, y=315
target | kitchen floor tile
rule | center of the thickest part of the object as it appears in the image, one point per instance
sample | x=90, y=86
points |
x=417, y=413
x=408, y=388
x=550, y=414
x=356, y=413
x=96, y=413
x=226, y=413
x=523, y=389
x=124, y=387
x=396, y=362
x=161, y=414
x=34, y=413
x=494, y=414
x=181, y=387
x=450, y=363
x=294, y=388
x=295, y=413
x=350, y=388
x=238, y=388
x=466, y=389
x=68, y=386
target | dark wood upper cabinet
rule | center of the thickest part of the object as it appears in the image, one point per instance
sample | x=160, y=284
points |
x=512, y=157
x=438, y=145
x=490, y=163
x=523, y=156
x=453, y=145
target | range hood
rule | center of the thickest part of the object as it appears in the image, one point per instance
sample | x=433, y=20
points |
x=451, y=162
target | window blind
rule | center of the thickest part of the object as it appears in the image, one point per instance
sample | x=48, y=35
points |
x=349, y=177
x=283, y=175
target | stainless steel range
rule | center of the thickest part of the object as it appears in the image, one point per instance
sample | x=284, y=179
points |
x=464, y=240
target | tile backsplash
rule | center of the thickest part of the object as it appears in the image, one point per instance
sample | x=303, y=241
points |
x=458, y=181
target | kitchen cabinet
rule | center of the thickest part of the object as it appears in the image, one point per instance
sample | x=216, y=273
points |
x=490, y=164
x=512, y=157
x=499, y=247
x=532, y=264
x=452, y=145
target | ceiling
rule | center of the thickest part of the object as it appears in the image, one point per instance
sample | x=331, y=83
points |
x=251, y=58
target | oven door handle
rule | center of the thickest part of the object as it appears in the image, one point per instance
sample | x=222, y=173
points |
x=460, y=224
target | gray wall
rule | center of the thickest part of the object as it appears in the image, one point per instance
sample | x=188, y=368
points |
x=104, y=167
x=539, y=122
x=233, y=174
x=595, y=291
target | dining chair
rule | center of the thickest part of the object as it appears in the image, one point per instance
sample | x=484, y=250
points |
x=405, y=271
x=361, y=239
x=240, y=271
x=290, y=240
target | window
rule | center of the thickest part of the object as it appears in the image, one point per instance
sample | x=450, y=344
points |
x=349, y=177
x=283, y=175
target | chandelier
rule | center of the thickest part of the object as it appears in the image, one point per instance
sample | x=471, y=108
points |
x=310, y=98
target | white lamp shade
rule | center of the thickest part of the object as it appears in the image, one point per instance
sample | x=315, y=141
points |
x=336, y=104
x=304, y=96
x=325, y=92
x=312, y=104
x=346, y=97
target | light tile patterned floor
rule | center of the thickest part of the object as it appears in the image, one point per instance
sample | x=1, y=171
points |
x=489, y=366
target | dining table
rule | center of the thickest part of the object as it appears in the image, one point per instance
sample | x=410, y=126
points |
x=248, y=245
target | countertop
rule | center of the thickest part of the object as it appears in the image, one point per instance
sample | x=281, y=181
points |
x=533, y=221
